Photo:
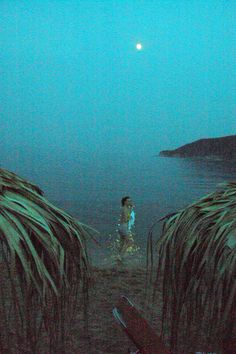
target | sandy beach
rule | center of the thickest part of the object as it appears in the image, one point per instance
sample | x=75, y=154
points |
x=104, y=333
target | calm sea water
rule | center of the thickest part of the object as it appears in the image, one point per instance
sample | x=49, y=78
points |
x=158, y=186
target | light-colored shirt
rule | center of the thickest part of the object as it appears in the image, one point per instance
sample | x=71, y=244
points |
x=131, y=220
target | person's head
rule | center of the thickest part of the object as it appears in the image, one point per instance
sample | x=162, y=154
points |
x=126, y=201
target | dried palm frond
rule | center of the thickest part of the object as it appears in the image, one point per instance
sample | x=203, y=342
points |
x=196, y=273
x=44, y=268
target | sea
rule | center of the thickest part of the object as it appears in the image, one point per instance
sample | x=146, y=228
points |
x=157, y=185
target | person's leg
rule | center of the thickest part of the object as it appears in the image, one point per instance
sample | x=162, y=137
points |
x=128, y=242
x=123, y=244
x=124, y=234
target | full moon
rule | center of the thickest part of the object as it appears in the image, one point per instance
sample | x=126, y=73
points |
x=139, y=46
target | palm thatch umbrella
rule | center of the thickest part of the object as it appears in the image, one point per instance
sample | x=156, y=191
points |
x=44, y=269
x=196, y=274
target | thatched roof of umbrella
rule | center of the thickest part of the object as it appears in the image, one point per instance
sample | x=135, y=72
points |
x=196, y=272
x=42, y=250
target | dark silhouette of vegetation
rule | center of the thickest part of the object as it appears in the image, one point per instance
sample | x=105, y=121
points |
x=195, y=272
x=44, y=273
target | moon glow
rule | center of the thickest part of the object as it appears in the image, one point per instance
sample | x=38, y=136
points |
x=139, y=46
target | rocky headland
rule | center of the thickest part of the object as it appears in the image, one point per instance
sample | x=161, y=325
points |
x=212, y=148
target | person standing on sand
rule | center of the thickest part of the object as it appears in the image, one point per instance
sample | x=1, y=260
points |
x=126, y=222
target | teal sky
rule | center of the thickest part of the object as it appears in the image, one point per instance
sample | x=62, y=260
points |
x=72, y=83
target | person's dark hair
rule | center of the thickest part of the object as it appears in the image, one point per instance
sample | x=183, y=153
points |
x=123, y=200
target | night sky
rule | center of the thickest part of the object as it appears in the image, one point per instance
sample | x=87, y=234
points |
x=73, y=83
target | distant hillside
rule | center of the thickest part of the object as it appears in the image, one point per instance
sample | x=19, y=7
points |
x=223, y=148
